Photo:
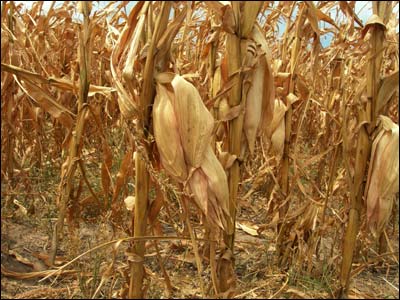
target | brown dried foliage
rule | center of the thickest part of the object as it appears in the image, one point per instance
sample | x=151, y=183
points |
x=89, y=95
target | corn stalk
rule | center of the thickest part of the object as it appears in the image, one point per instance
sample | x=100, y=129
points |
x=284, y=178
x=136, y=290
x=69, y=167
x=235, y=125
x=336, y=83
x=244, y=14
x=367, y=117
x=8, y=91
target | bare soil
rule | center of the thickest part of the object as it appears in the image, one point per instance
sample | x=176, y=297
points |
x=26, y=241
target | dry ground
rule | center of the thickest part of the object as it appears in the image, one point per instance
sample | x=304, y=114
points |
x=26, y=239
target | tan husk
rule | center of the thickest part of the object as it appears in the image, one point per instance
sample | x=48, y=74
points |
x=167, y=135
x=279, y=114
x=254, y=104
x=267, y=110
x=218, y=184
x=205, y=199
x=278, y=139
x=195, y=122
x=198, y=185
x=383, y=175
x=209, y=186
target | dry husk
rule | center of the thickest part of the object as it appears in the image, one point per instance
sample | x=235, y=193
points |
x=276, y=129
x=209, y=186
x=182, y=129
x=254, y=104
x=261, y=94
x=167, y=135
x=383, y=175
x=195, y=122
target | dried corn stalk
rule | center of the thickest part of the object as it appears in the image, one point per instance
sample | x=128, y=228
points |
x=377, y=43
x=383, y=175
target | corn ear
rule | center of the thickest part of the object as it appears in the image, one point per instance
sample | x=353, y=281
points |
x=209, y=186
x=205, y=199
x=254, y=101
x=383, y=175
x=195, y=122
x=218, y=184
x=198, y=185
x=261, y=94
x=279, y=115
x=267, y=110
x=168, y=144
x=278, y=139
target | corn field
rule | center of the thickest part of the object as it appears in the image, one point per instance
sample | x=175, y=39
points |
x=198, y=149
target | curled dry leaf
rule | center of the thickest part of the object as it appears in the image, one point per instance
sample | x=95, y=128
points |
x=374, y=20
x=248, y=228
x=228, y=19
x=21, y=208
x=226, y=159
x=389, y=86
x=383, y=175
x=248, y=16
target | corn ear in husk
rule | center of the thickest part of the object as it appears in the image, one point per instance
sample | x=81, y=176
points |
x=279, y=114
x=198, y=185
x=205, y=199
x=261, y=94
x=278, y=139
x=218, y=184
x=209, y=186
x=383, y=175
x=275, y=132
x=195, y=122
x=167, y=135
x=254, y=104
x=267, y=108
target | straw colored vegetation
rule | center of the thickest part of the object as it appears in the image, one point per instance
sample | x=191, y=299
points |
x=196, y=149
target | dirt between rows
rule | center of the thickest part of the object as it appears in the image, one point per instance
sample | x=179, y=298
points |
x=25, y=244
